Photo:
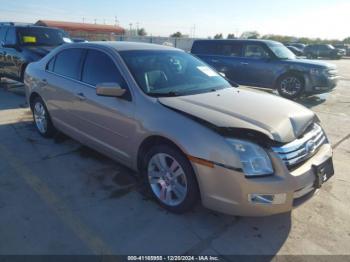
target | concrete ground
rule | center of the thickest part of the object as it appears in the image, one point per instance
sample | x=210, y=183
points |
x=58, y=197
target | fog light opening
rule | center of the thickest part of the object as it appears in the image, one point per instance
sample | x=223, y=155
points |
x=267, y=199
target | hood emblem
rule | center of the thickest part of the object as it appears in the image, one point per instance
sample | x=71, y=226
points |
x=310, y=146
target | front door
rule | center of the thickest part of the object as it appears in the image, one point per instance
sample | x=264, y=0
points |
x=256, y=66
x=107, y=122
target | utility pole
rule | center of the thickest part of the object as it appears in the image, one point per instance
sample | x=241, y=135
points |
x=116, y=21
x=95, y=21
x=130, y=29
x=83, y=20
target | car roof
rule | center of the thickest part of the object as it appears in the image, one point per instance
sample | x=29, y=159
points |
x=239, y=40
x=125, y=46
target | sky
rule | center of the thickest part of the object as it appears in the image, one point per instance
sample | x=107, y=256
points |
x=310, y=18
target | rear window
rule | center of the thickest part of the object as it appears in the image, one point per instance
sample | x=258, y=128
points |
x=204, y=47
x=3, y=31
x=68, y=63
x=224, y=48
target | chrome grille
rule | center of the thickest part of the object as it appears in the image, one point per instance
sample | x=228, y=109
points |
x=302, y=149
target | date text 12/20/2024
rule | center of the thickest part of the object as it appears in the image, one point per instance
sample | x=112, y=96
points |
x=173, y=258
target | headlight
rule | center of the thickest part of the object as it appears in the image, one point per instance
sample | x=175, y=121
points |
x=316, y=71
x=254, y=159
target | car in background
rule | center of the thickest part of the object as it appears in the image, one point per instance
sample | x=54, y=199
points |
x=300, y=46
x=79, y=40
x=295, y=50
x=267, y=64
x=323, y=51
x=190, y=135
x=345, y=47
x=21, y=44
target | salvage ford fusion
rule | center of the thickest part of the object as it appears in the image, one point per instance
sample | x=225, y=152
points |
x=189, y=133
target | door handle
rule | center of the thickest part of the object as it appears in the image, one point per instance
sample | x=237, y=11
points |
x=215, y=61
x=44, y=81
x=81, y=96
x=244, y=63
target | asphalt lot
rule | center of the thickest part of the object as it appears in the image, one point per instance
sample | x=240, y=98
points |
x=58, y=197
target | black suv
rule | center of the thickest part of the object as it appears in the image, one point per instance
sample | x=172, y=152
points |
x=23, y=44
x=325, y=51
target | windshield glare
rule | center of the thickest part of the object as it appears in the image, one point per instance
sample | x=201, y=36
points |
x=171, y=73
x=41, y=36
x=281, y=51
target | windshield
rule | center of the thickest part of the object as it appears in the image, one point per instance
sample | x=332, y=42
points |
x=171, y=73
x=281, y=51
x=34, y=36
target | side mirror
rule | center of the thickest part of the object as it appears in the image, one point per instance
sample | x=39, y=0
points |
x=110, y=90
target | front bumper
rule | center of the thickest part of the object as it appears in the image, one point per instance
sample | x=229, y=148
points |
x=322, y=84
x=230, y=192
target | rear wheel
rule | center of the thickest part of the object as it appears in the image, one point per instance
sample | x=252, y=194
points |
x=170, y=179
x=42, y=118
x=290, y=86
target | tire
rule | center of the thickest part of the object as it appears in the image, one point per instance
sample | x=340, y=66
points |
x=172, y=184
x=42, y=120
x=290, y=86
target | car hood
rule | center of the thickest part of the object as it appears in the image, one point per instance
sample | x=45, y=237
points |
x=311, y=63
x=279, y=119
x=40, y=50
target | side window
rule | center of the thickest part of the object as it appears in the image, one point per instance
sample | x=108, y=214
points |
x=11, y=36
x=205, y=48
x=230, y=49
x=99, y=68
x=68, y=63
x=50, y=65
x=3, y=30
x=255, y=51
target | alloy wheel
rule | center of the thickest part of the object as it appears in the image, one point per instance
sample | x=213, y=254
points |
x=291, y=86
x=40, y=117
x=167, y=179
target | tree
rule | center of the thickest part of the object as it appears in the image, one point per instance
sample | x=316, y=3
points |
x=218, y=36
x=177, y=34
x=250, y=35
x=231, y=36
x=346, y=40
x=141, y=32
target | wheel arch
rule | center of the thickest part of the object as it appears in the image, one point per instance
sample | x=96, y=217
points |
x=22, y=71
x=152, y=141
x=32, y=97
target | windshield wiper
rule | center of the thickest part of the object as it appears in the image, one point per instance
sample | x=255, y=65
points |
x=168, y=94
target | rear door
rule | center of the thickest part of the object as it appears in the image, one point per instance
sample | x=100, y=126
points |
x=62, y=87
x=107, y=122
x=224, y=56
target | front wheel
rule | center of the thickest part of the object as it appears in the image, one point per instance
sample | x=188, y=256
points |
x=42, y=118
x=290, y=86
x=170, y=179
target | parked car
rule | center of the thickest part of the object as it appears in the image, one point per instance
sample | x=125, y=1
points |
x=23, y=44
x=345, y=47
x=324, y=51
x=189, y=133
x=300, y=46
x=267, y=64
x=79, y=40
x=295, y=50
